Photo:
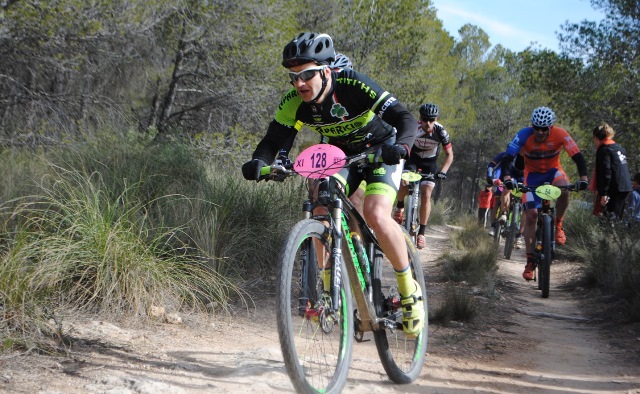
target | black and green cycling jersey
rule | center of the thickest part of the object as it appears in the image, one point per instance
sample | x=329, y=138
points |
x=357, y=114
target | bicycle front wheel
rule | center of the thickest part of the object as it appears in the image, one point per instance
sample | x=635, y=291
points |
x=513, y=229
x=411, y=216
x=402, y=357
x=498, y=232
x=547, y=256
x=316, y=341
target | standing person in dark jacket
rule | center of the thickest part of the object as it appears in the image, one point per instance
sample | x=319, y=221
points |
x=612, y=177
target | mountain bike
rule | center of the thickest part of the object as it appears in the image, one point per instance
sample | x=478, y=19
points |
x=544, y=251
x=412, y=212
x=497, y=225
x=512, y=227
x=316, y=327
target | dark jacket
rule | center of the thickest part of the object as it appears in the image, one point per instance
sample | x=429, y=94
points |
x=612, y=172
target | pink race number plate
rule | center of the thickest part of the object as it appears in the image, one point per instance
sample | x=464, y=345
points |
x=319, y=161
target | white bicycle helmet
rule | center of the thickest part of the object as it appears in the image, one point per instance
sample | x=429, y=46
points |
x=543, y=117
x=341, y=61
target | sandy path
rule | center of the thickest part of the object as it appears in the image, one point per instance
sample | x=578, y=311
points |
x=520, y=343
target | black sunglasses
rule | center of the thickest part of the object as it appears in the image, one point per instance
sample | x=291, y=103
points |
x=427, y=119
x=304, y=75
x=536, y=128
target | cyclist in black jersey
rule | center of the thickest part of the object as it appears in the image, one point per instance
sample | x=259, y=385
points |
x=357, y=198
x=424, y=157
x=357, y=115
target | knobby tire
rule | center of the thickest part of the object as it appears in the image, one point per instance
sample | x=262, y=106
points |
x=547, y=251
x=316, y=348
x=498, y=230
x=514, y=228
x=401, y=357
x=411, y=218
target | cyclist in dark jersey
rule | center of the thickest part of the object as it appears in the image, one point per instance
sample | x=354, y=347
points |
x=357, y=115
x=424, y=157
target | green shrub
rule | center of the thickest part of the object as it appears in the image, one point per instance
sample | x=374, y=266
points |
x=440, y=212
x=611, y=256
x=474, y=259
x=457, y=305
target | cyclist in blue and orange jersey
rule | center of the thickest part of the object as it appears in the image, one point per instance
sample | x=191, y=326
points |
x=357, y=115
x=496, y=178
x=541, y=145
x=424, y=157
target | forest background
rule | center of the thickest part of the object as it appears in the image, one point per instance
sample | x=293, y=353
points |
x=145, y=110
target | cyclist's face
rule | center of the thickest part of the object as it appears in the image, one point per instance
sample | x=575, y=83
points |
x=308, y=89
x=427, y=123
x=541, y=133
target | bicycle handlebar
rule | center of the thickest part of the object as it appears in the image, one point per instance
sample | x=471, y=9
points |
x=284, y=168
x=531, y=188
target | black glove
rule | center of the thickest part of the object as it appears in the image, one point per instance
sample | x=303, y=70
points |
x=391, y=154
x=510, y=184
x=489, y=180
x=442, y=175
x=251, y=169
x=582, y=185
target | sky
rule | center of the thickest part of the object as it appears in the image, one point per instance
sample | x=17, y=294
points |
x=515, y=24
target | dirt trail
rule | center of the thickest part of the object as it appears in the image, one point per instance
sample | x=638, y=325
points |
x=520, y=343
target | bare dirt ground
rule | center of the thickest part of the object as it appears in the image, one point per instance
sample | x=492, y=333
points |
x=572, y=342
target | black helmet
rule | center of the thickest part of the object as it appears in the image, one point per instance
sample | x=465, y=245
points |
x=429, y=110
x=308, y=47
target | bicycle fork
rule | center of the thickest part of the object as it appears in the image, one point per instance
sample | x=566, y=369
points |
x=416, y=215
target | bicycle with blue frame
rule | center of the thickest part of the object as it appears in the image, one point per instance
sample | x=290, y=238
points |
x=316, y=327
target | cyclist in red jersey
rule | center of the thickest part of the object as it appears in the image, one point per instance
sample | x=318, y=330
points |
x=541, y=144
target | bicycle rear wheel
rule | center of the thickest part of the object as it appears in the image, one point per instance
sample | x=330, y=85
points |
x=316, y=342
x=547, y=256
x=402, y=357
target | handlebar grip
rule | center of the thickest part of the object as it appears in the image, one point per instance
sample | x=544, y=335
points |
x=266, y=170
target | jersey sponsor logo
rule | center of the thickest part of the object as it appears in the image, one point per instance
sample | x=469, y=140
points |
x=571, y=144
x=356, y=82
x=339, y=129
x=622, y=157
x=289, y=96
x=543, y=154
x=338, y=111
x=380, y=171
x=425, y=143
x=386, y=105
